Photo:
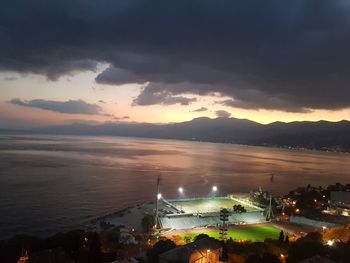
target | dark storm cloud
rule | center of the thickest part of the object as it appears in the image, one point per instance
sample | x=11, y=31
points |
x=158, y=94
x=288, y=55
x=200, y=109
x=222, y=114
x=68, y=107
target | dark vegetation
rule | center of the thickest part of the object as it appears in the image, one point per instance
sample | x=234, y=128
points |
x=271, y=251
x=147, y=223
x=81, y=246
x=239, y=209
x=90, y=247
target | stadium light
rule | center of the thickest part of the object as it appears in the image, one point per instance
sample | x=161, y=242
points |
x=214, y=188
x=159, y=196
x=181, y=190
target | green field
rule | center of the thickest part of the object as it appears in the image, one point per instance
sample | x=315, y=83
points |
x=252, y=233
x=207, y=205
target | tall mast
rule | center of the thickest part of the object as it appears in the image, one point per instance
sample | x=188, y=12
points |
x=269, y=214
x=157, y=221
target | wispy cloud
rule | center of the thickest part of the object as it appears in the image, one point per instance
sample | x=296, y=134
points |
x=200, y=109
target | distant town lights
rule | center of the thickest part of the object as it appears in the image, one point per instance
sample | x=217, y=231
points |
x=215, y=188
x=159, y=196
x=181, y=190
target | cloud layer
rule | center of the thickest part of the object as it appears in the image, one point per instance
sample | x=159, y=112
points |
x=201, y=109
x=286, y=55
x=68, y=107
x=222, y=114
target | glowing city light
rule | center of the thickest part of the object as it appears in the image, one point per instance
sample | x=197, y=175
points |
x=159, y=196
x=181, y=190
x=215, y=188
x=330, y=242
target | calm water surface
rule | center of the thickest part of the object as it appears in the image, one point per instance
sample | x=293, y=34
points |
x=55, y=183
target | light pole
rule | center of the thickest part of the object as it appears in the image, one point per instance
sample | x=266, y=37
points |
x=158, y=197
x=214, y=190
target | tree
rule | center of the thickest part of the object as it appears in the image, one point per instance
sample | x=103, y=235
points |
x=200, y=237
x=286, y=240
x=147, y=223
x=265, y=258
x=281, y=237
x=160, y=247
x=95, y=248
x=239, y=209
x=306, y=247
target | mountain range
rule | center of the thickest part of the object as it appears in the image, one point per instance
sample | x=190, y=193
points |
x=321, y=135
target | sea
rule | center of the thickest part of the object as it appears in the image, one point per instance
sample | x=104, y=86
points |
x=57, y=183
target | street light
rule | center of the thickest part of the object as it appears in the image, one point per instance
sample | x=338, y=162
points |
x=215, y=188
x=159, y=196
x=330, y=242
x=181, y=190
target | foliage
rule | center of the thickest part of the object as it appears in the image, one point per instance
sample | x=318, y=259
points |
x=306, y=247
x=265, y=258
x=281, y=236
x=95, y=249
x=239, y=209
x=110, y=240
x=159, y=248
x=201, y=236
x=72, y=242
x=147, y=223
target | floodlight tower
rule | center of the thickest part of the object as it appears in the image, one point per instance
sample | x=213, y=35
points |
x=269, y=212
x=224, y=213
x=214, y=189
x=158, y=196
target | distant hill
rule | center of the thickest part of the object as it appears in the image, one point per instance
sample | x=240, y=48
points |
x=311, y=135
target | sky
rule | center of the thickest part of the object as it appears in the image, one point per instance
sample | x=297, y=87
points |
x=64, y=62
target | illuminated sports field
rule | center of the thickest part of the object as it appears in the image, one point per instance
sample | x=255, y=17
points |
x=208, y=205
x=252, y=233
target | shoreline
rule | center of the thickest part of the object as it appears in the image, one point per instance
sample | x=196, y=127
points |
x=283, y=147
